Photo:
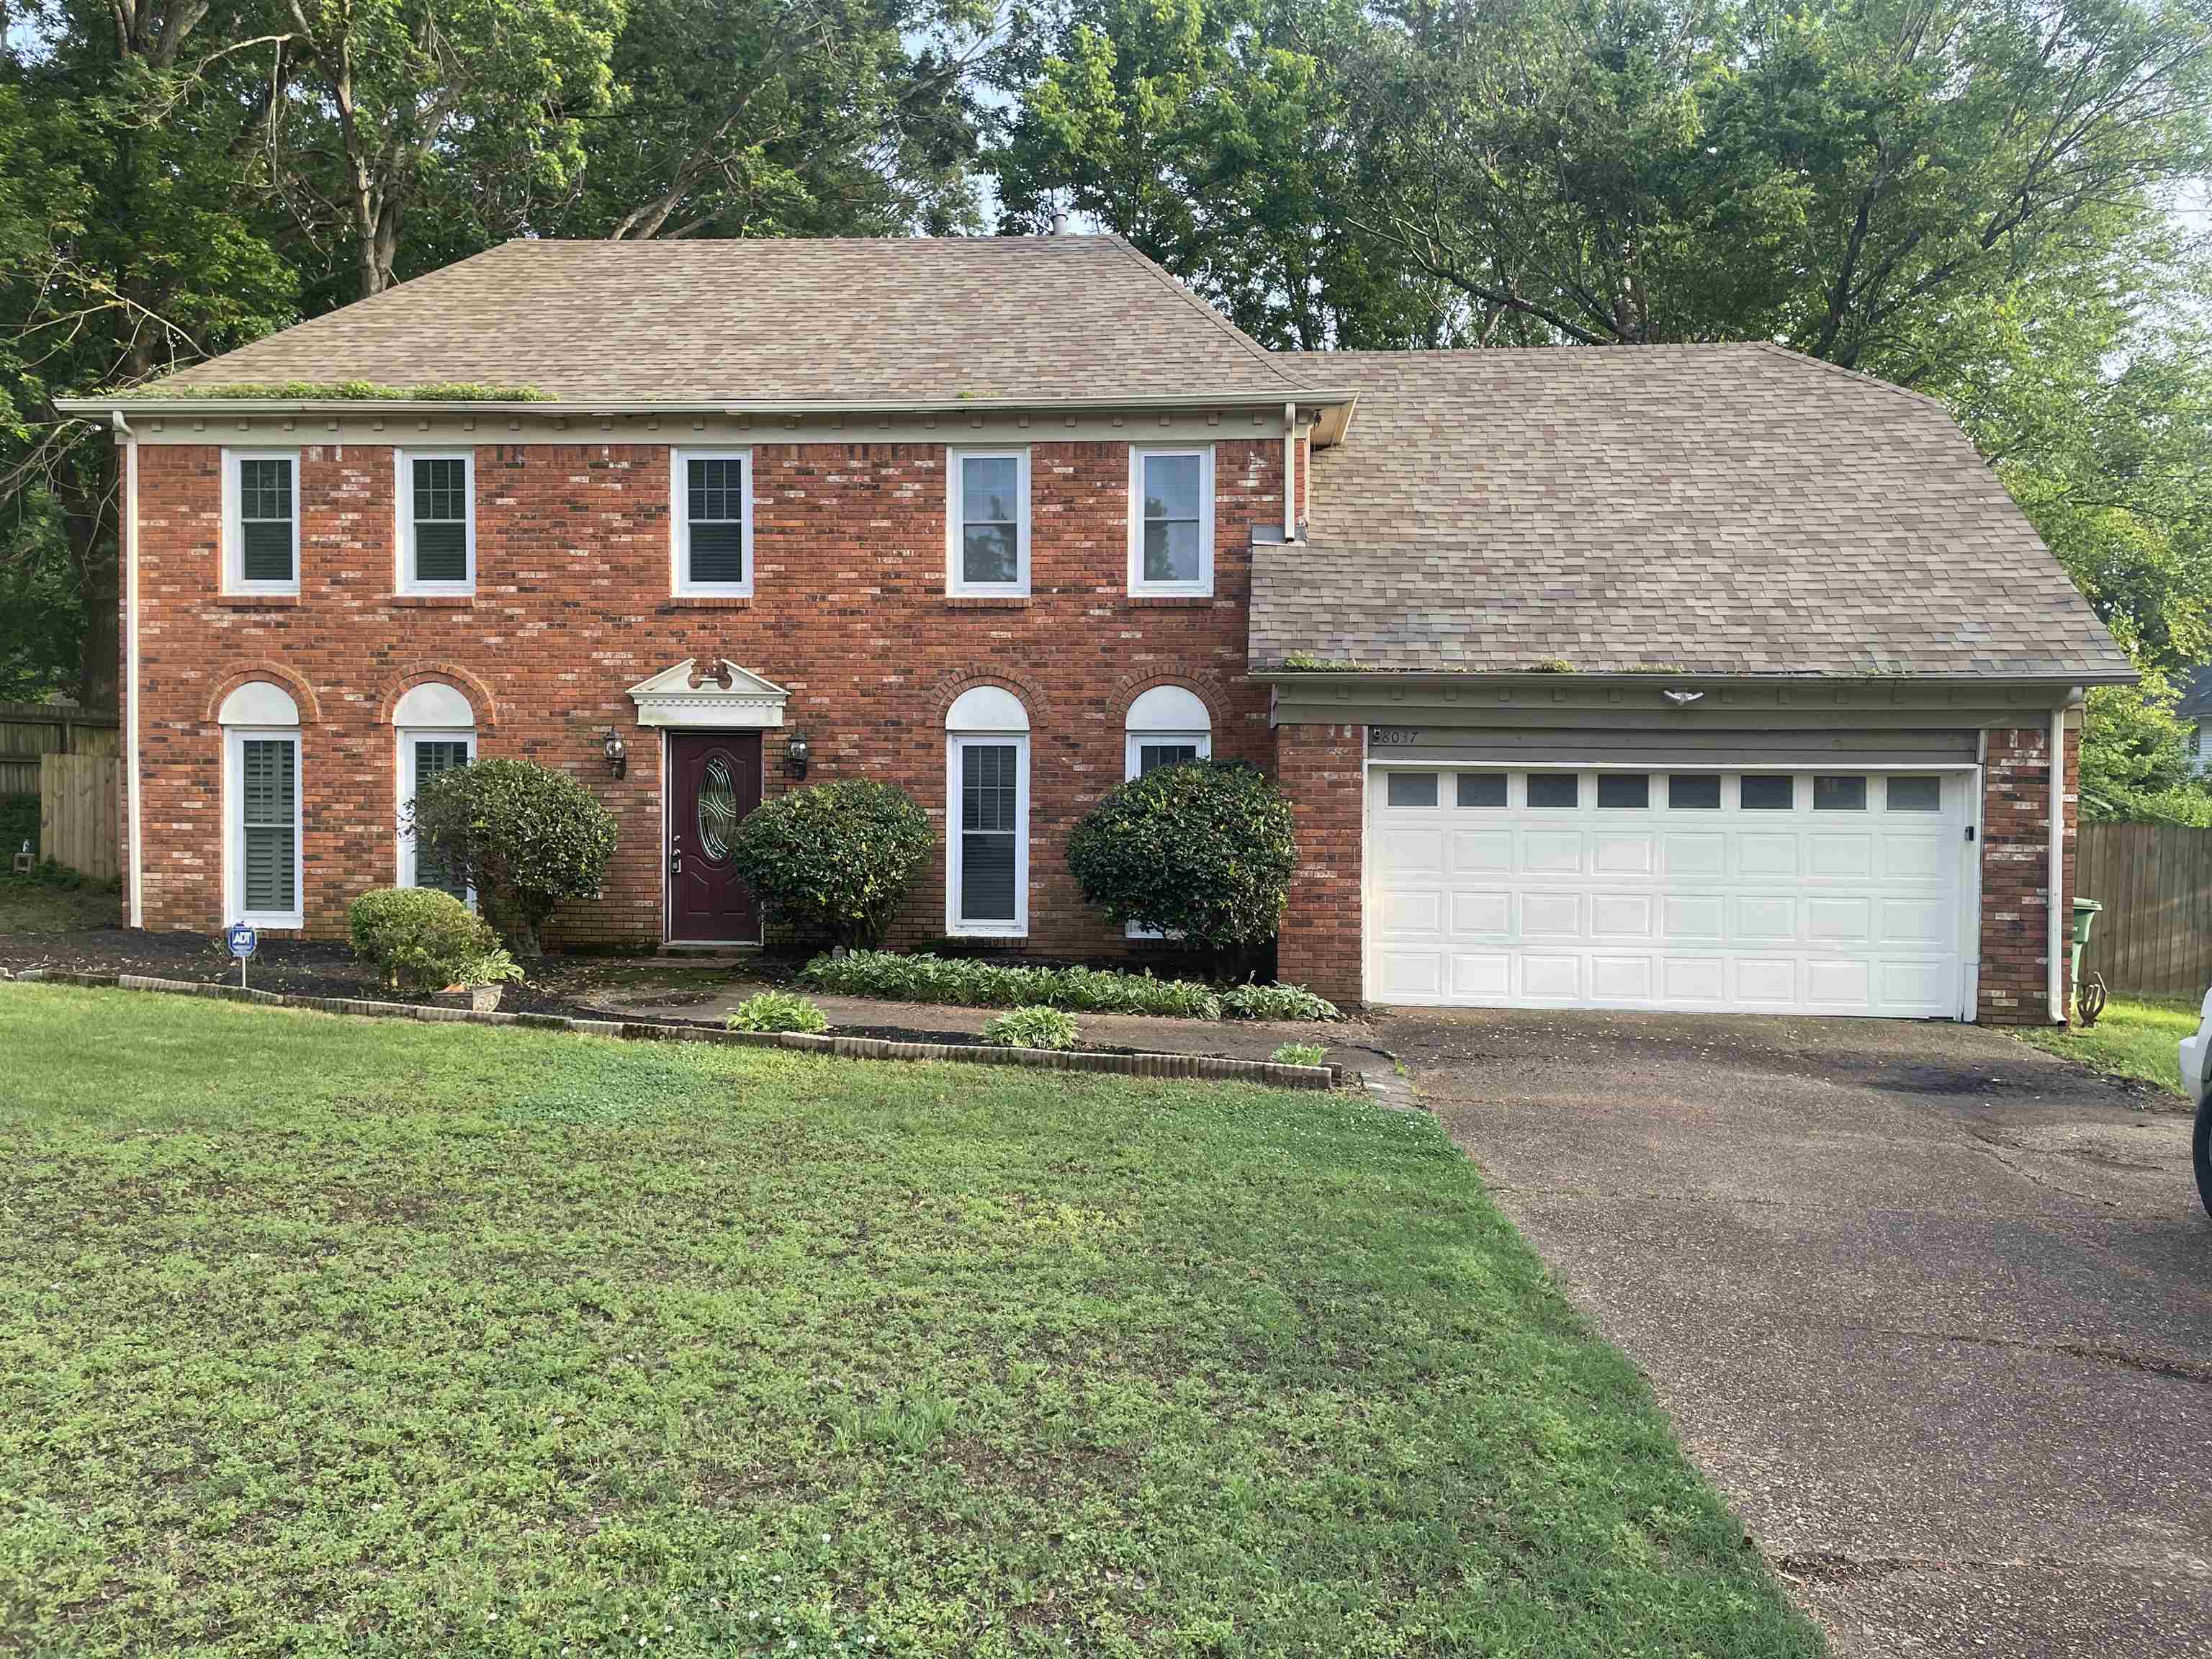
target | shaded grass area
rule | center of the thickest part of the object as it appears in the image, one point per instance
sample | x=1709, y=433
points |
x=320, y=1335
x=2134, y=1038
x=55, y=902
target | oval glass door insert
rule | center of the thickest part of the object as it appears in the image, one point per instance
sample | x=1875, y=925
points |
x=718, y=809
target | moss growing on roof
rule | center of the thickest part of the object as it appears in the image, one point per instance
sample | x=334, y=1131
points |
x=365, y=391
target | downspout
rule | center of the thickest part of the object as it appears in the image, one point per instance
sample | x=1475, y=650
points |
x=133, y=844
x=2053, y=921
x=1289, y=472
x=1977, y=828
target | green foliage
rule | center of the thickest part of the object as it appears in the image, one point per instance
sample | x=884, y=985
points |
x=1204, y=850
x=421, y=939
x=526, y=837
x=19, y=822
x=1276, y=1002
x=603, y=1339
x=2132, y=1038
x=835, y=858
x=964, y=983
x=364, y=392
x=1032, y=1028
x=1299, y=1054
x=777, y=1011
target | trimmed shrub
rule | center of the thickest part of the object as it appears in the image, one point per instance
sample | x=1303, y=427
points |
x=1299, y=1054
x=776, y=1011
x=921, y=977
x=526, y=837
x=1032, y=1028
x=1203, y=850
x=1276, y=1002
x=835, y=858
x=421, y=939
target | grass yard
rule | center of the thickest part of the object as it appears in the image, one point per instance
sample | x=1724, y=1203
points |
x=2134, y=1038
x=324, y=1336
x=37, y=904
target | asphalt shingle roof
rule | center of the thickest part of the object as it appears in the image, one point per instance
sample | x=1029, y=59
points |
x=882, y=320
x=1717, y=510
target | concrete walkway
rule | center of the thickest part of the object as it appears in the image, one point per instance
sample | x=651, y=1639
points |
x=1934, y=1308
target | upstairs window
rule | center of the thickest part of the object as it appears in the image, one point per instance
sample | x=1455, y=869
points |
x=988, y=519
x=437, y=524
x=261, y=521
x=1171, y=521
x=713, y=514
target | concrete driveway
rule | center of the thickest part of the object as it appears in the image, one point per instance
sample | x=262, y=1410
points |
x=1935, y=1309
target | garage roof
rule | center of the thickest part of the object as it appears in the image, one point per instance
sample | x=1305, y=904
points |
x=1723, y=509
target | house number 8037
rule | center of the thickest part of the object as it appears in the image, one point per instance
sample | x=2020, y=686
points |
x=1394, y=737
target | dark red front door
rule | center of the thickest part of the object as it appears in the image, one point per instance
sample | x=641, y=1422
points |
x=714, y=780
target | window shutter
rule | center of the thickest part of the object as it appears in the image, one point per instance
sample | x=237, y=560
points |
x=267, y=786
x=988, y=803
x=433, y=758
x=718, y=552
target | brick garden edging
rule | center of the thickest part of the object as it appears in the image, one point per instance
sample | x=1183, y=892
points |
x=1201, y=1068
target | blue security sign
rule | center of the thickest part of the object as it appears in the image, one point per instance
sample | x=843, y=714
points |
x=240, y=940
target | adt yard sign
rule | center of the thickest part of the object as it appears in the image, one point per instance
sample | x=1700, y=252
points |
x=241, y=941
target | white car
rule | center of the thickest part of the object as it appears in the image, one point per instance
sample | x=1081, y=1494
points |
x=2193, y=1054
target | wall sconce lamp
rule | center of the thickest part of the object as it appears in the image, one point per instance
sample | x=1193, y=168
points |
x=617, y=754
x=795, y=753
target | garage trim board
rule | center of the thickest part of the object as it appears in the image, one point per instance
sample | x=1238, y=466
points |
x=1758, y=888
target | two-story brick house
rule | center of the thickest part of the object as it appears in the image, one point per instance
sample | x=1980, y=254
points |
x=1683, y=677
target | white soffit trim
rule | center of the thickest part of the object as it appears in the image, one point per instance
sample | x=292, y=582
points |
x=720, y=696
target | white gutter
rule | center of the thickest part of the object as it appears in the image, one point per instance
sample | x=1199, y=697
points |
x=128, y=533
x=582, y=408
x=2054, y=920
x=1289, y=472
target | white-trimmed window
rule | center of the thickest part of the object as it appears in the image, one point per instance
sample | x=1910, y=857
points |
x=987, y=814
x=987, y=521
x=263, y=873
x=261, y=520
x=437, y=509
x=1171, y=521
x=437, y=733
x=1166, y=727
x=711, y=509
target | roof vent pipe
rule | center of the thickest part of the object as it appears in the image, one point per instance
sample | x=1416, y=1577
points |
x=1060, y=221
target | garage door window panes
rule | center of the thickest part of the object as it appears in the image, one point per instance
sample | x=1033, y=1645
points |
x=1916, y=795
x=1624, y=791
x=1767, y=792
x=1554, y=789
x=1694, y=792
x=1481, y=789
x=1839, y=794
x=1413, y=789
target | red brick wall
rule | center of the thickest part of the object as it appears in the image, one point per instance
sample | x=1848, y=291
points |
x=1322, y=769
x=572, y=608
x=2016, y=872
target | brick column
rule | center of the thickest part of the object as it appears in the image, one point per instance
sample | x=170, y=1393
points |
x=1323, y=771
x=2016, y=872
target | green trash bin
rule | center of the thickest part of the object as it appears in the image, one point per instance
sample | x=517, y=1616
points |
x=2085, y=913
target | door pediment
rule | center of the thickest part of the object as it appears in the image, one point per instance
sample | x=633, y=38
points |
x=716, y=695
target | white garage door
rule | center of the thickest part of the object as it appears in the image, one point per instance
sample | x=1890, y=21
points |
x=1801, y=892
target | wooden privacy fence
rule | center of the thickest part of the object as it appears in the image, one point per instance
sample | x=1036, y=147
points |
x=28, y=729
x=2154, y=880
x=80, y=813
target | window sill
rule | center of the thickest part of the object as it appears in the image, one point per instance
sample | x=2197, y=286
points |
x=988, y=601
x=986, y=933
x=257, y=601
x=435, y=601
x=1174, y=601
x=710, y=602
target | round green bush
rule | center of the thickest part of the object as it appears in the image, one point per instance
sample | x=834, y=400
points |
x=835, y=858
x=527, y=838
x=776, y=1011
x=1032, y=1028
x=1204, y=849
x=421, y=939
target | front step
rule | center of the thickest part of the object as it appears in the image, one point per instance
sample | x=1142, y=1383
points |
x=708, y=955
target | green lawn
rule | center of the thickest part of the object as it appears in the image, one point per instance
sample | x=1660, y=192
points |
x=2133, y=1038
x=43, y=904
x=336, y=1336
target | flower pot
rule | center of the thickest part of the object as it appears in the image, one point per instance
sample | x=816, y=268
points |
x=478, y=999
